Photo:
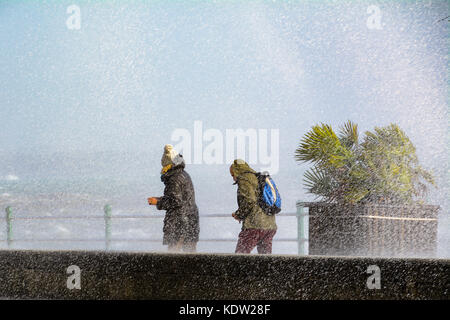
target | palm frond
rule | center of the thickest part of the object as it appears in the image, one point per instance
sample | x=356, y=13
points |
x=321, y=145
x=318, y=182
x=348, y=134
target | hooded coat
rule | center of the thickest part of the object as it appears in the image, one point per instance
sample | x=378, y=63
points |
x=181, y=221
x=249, y=211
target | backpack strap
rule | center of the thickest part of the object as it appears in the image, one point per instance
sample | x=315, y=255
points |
x=274, y=193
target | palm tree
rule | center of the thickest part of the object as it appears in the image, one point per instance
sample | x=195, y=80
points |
x=395, y=171
x=383, y=168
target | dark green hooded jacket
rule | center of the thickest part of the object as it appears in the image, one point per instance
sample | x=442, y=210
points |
x=252, y=216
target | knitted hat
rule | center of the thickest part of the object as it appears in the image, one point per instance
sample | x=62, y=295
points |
x=168, y=155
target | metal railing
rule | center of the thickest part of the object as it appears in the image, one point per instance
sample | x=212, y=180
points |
x=108, y=217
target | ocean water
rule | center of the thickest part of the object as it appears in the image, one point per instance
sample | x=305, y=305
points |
x=54, y=205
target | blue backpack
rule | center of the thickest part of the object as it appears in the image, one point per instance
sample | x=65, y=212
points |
x=269, y=197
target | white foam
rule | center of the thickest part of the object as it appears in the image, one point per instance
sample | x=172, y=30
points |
x=11, y=177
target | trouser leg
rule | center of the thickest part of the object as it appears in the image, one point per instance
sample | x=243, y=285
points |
x=247, y=241
x=175, y=247
x=190, y=247
x=264, y=245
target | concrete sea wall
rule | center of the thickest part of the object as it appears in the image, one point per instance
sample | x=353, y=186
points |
x=128, y=275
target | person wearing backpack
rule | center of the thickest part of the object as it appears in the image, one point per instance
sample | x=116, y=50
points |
x=181, y=222
x=258, y=227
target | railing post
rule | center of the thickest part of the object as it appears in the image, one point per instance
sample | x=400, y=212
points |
x=107, y=209
x=300, y=229
x=8, y=211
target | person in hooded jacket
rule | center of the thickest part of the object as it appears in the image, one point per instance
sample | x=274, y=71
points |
x=258, y=228
x=181, y=222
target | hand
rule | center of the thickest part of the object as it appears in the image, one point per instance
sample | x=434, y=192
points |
x=153, y=201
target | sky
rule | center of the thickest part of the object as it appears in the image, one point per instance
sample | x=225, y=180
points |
x=101, y=101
